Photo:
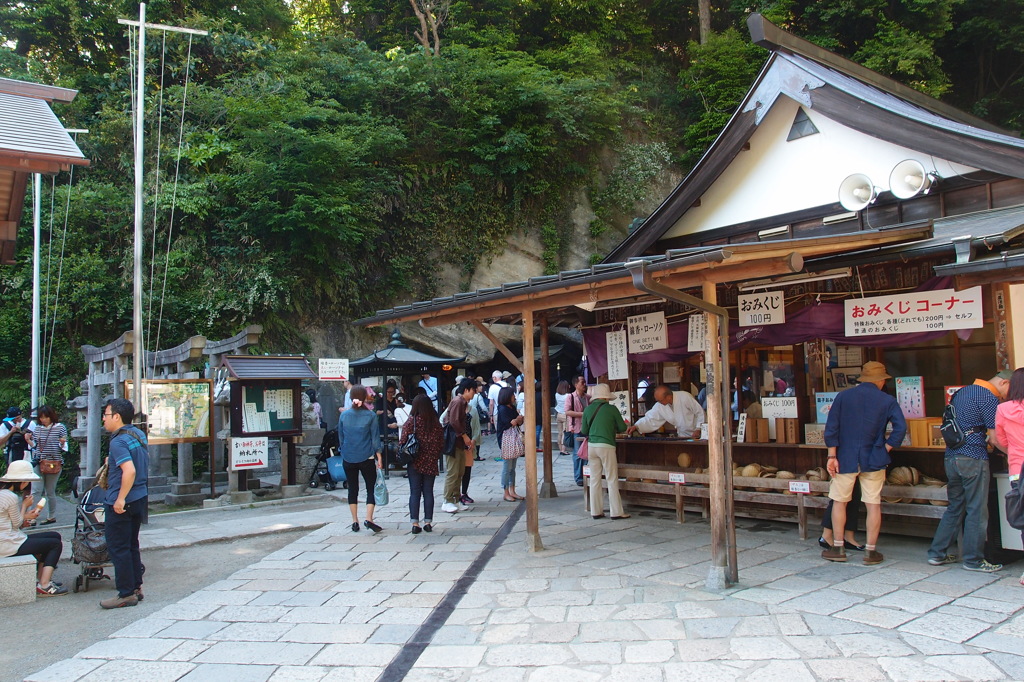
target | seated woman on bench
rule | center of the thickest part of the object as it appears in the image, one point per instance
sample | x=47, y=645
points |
x=17, y=512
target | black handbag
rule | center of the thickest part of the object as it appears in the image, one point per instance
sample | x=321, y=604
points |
x=407, y=451
x=89, y=546
x=1015, y=505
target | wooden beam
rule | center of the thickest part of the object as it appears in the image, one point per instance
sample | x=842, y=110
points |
x=716, y=453
x=502, y=348
x=548, y=489
x=533, y=542
x=618, y=288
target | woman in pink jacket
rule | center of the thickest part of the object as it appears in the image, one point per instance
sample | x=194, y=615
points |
x=1010, y=429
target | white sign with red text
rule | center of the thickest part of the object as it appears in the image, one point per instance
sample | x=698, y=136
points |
x=249, y=453
x=915, y=311
x=333, y=369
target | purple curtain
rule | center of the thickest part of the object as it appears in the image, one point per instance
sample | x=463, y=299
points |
x=816, y=321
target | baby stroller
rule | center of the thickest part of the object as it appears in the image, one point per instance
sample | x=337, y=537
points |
x=89, y=545
x=328, y=470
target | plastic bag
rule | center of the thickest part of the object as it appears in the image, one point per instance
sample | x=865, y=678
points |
x=380, y=490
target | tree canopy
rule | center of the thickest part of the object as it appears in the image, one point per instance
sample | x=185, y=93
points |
x=329, y=166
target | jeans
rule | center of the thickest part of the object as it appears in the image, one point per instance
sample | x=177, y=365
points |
x=122, y=533
x=421, y=486
x=577, y=463
x=46, y=488
x=508, y=473
x=967, y=491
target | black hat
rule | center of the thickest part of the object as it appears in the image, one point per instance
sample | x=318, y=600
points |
x=13, y=411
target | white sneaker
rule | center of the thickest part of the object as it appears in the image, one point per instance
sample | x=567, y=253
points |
x=449, y=507
x=463, y=507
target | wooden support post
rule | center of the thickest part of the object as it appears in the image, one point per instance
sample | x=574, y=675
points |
x=801, y=516
x=680, y=512
x=548, y=487
x=716, y=579
x=533, y=542
x=502, y=348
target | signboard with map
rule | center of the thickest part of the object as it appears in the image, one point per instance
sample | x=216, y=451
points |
x=178, y=410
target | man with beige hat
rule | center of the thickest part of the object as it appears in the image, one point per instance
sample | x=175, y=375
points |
x=599, y=424
x=858, y=449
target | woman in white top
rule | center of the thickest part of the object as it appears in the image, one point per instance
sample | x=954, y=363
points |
x=16, y=512
x=50, y=437
x=560, y=393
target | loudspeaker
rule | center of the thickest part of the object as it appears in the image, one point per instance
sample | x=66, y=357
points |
x=857, y=192
x=909, y=178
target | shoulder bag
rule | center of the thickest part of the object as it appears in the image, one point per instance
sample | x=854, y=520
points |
x=512, y=446
x=48, y=466
x=407, y=451
x=380, y=490
x=583, y=451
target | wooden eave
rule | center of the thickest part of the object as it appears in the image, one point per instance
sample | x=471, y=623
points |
x=679, y=270
x=47, y=164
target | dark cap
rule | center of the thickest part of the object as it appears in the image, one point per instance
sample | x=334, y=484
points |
x=13, y=411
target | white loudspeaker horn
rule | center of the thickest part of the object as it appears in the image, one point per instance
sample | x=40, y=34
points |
x=857, y=192
x=909, y=178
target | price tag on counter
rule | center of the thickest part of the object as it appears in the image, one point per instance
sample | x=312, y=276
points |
x=799, y=487
x=586, y=471
x=677, y=478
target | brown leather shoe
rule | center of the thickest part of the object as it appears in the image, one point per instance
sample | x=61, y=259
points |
x=872, y=557
x=835, y=554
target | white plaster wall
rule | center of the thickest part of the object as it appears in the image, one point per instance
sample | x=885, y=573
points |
x=1016, y=315
x=776, y=177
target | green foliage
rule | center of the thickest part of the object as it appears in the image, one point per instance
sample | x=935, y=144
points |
x=719, y=75
x=628, y=182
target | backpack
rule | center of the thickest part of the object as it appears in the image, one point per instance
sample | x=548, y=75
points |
x=950, y=429
x=329, y=442
x=17, y=445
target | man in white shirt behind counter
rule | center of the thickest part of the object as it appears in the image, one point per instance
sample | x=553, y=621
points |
x=679, y=409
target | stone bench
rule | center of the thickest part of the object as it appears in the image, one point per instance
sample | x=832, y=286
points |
x=17, y=580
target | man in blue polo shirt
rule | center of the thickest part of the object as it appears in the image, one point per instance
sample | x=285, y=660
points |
x=968, y=473
x=859, y=450
x=127, y=501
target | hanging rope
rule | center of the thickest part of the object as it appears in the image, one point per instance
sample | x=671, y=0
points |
x=156, y=198
x=174, y=192
x=45, y=379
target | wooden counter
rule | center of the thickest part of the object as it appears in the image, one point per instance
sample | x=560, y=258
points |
x=653, y=459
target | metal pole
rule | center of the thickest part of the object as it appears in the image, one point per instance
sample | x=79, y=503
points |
x=37, y=200
x=138, y=346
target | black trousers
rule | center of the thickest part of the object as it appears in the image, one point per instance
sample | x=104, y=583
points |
x=45, y=547
x=368, y=470
x=122, y=533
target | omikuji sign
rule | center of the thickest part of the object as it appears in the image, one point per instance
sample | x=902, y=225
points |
x=647, y=332
x=766, y=307
x=916, y=311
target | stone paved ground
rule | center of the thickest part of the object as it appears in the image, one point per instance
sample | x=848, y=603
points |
x=605, y=600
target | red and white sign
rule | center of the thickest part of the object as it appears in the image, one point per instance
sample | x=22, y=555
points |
x=333, y=369
x=249, y=453
x=916, y=311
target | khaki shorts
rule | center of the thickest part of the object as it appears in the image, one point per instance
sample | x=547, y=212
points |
x=871, y=483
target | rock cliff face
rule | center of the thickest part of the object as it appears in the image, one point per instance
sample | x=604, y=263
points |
x=521, y=259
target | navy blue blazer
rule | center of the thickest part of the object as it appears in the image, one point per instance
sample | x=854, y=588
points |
x=856, y=427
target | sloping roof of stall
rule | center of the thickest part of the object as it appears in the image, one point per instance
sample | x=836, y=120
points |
x=678, y=268
x=268, y=367
x=848, y=93
x=397, y=354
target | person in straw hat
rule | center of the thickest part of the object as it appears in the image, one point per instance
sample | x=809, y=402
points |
x=859, y=450
x=600, y=423
x=17, y=510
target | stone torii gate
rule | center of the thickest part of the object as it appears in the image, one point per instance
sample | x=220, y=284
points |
x=110, y=366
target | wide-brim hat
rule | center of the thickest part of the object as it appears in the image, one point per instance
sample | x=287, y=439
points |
x=506, y=374
x=601, y=392
x=872, y=371
x=20, y=471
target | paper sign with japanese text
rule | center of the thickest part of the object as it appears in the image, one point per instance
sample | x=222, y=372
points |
x=620, y=400
x=915, y=311
x=822, y=404
x=249, y=453
x=586, y=471
x=948, y=392
x=761, y=308
x=775, y=408
x=910, y=396
x=647, y=332
x=799, y=487
x=696, y=335
x=333, y=369
x=618, y=367
x=676, y=478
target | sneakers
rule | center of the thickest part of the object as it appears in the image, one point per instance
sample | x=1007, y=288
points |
x=834, y=554
x=53, y=590
x=948, y=559
x=872, y=557
x=466, y=499
x=984, y=567
x=463, y=506
x=449, y=507
x=119, y=602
